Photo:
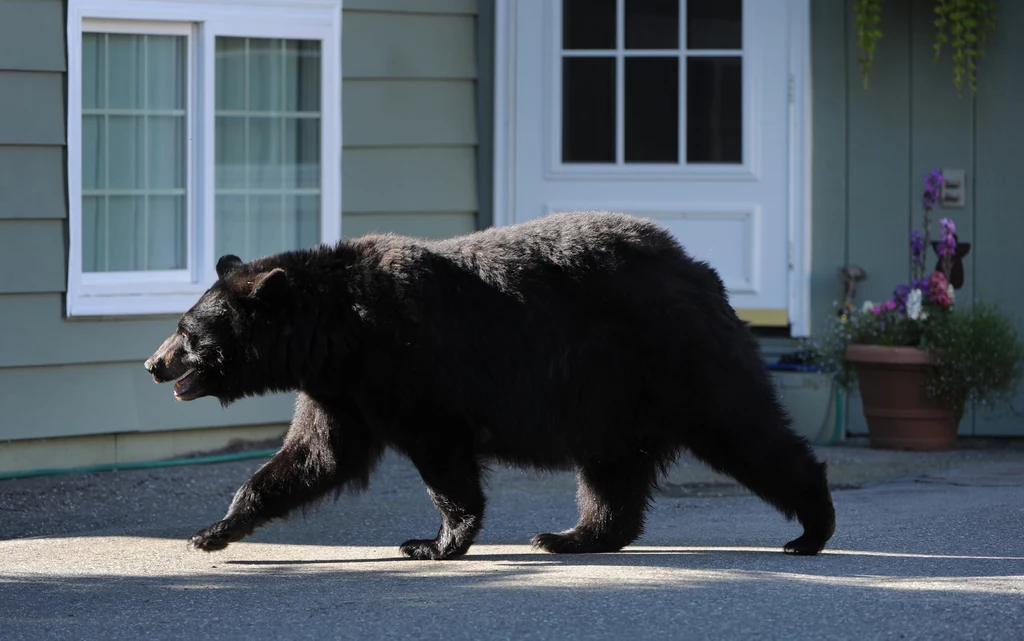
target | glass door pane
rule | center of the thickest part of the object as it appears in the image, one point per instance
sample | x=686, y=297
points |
x=634, y=91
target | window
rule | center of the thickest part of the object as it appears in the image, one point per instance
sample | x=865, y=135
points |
x=651, y=82
x=196, y=129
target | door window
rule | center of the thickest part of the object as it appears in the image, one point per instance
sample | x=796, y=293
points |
x=651, y=81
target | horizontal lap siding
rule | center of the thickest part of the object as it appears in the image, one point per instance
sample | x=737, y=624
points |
x=409, y=162
x=114, y=397
x=409, y=121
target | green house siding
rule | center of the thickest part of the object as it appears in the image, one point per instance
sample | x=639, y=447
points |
x=409, y=118
x=872, y=148
x=409, y=165
x=32, y=35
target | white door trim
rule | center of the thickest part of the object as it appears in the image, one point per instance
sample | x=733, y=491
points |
x=799, y=152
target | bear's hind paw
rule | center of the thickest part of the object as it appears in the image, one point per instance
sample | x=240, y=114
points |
x=427, y=550
x=573, y=542
x=804, y=545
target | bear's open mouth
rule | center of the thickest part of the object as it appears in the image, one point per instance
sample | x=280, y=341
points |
x=184, y=387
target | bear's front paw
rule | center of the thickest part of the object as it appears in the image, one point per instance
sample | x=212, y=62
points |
x=218, y=536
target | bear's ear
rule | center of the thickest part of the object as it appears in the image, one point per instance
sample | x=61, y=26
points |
x=270, y=284
x=226, y=264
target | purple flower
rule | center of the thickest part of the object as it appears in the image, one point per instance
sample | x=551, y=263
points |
x=900, y=295
x=922, y=284
x=917, y=248
x=947, y=246
x=932, y=181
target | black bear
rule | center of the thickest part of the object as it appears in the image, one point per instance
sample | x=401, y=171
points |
x=586, y=340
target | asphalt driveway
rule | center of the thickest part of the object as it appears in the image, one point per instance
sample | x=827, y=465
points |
x=933, y=553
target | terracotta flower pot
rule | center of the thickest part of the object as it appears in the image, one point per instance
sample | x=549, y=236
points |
x=899, y=413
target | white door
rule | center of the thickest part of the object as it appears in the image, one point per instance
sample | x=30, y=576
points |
x=678, y=110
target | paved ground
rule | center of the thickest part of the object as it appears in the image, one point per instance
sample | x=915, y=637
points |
x=927, y=546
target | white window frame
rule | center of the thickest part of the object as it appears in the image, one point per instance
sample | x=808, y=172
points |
x=174, y=291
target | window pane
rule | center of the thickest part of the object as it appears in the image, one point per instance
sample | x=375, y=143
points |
x=714, y=101
x=94, y=152
x=265, y=159
x=231, y=76
x=265, y=58
x=231, y=223
x=652, y=110
x=126, y=80
x=588, y=110
x=94, y=70
x=168, y=244
x=94, y=233
x=269, y=225
x=302, y=93
x=165, y=135
x=302, y=142
x=308, y=210
x=714, y=24
x=134, y=161
x=126, y=150
x=166, y=88
x=588, y=24
x=267, y=133
x=230, y=152
x=125, y=233
x=652, y=24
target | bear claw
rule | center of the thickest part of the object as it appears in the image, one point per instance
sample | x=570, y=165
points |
x=207, y=543
x=217, y=537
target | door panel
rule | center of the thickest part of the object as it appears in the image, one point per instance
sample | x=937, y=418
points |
x=677, y=110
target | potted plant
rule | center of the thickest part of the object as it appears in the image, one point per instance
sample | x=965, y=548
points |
x=918, y=359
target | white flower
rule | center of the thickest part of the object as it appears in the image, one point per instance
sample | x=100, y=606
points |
x=951, y=292
x=866, y=307
x=914, y=305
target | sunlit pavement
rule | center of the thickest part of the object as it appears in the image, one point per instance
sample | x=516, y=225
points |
x=937, y=556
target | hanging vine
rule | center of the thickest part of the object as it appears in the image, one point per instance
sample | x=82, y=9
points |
x=867, y=18
x=963, y=25
x=970, y=22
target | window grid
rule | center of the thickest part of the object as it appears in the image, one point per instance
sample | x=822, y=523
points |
x=282, y=115
x=620, y=52
x=145, y=192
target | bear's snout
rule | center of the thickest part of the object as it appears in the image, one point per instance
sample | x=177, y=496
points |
x=166, y=363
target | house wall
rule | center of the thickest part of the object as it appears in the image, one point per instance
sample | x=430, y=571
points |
x=409, y=164
x=872, y=147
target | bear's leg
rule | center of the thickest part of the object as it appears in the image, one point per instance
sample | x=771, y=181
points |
x=778, y=466
x=454, y=484
x=613, y=500
x=316, y=457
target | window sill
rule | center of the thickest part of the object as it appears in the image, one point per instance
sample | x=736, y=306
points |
x=129, y=306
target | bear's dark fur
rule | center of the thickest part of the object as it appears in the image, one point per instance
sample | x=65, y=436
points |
x=586, y=341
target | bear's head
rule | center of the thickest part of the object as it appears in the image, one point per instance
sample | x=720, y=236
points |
x=220, y=345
